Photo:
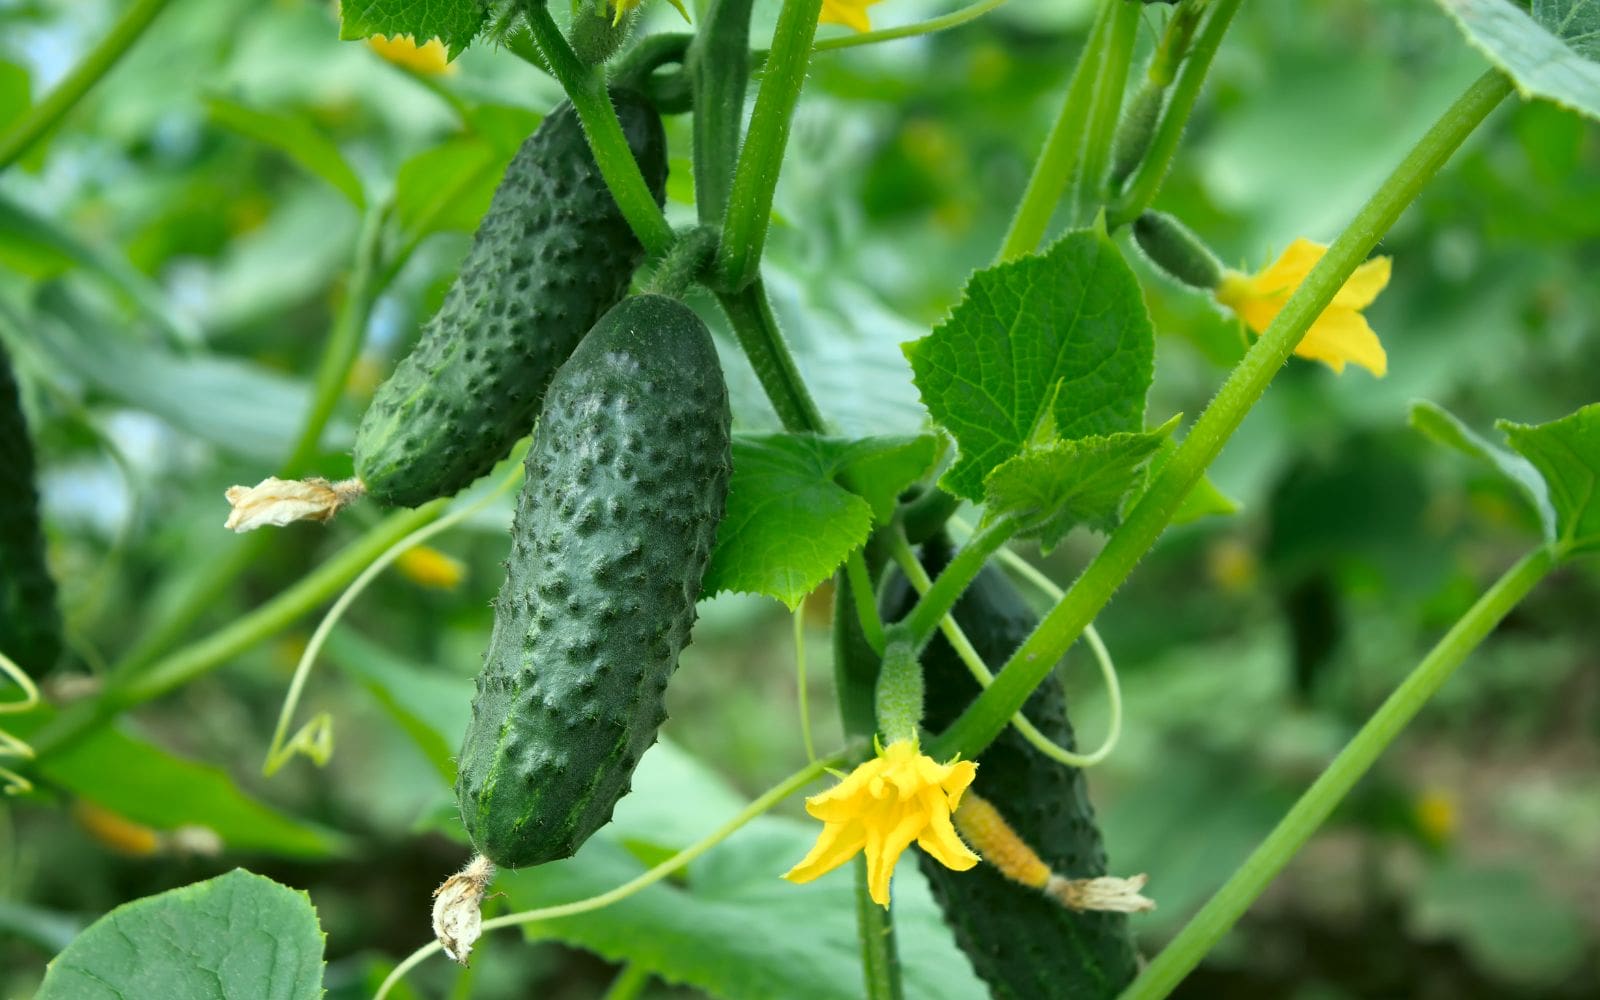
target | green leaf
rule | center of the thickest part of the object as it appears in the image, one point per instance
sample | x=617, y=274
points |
x=1567, y=454
x=792, y=520
x=715, y=928
x=454, y=22
x=1203, y=500
x=237, y=935
x=449, y=186
x=297, y=138
x=1068, y=325
x=1445, y=428
x=1511, y=925
x=1551, y=50
x=433, y=707
x=148, y=785
x=1054, y=486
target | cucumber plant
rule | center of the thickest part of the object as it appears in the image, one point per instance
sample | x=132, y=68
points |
x=30, y=623
x=637, y=500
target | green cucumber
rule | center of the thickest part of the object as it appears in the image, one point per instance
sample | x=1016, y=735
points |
x=30, y=624
x=1023, y=944
x=626, y=481
x=551, y=255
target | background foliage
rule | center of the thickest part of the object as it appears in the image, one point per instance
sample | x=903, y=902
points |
x=171, y=269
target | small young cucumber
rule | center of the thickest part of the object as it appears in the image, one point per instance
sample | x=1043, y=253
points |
x=30, y=624
x=1023, y=944
x=551, y=255
x=625, y=485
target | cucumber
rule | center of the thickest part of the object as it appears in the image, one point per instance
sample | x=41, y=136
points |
x=626, y=481
x=1024, y=945
x=551, y=255
x=30, y=624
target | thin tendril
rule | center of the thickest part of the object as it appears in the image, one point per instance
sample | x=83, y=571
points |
x=11, y=746
x=772, y=797
x=315, y=738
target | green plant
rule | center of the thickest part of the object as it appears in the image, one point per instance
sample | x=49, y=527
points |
x=1038, y=385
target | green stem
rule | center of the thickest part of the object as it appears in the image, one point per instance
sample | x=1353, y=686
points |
x=719, y=72
x=1141, y=189
x=630, y=983
x=37, y=123
x=866, y=607
x=1229, y=904
x=923, y=619
x=855, y=661
x=880, y=959
x=985, y=719
x=1106, y=109
x=925, y=516
x=1058, y=161
x=756, y=328
x=744, y=229
x=944, y=22
x=127, y=689
x=587, y=91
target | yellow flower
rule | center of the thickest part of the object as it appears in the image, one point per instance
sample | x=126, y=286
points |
x=850, y=13
x=1341, y=334
x=895, y=799
x=429, y=58
x=427, y=566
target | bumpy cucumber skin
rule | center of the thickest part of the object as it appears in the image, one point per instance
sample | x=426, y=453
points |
x=1022, y=944
x=30, y=623
x=551, y=255
x=626, y=482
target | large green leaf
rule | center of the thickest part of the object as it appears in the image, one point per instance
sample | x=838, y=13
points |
x=1510, y=924
x=454, y=22
x=1551, y=50
x=237, y=935
x=731, y=926
x=1447, y=429
x=431, y=705
x=1064, y=333
x=1567, y=454
x=151, y=786
x=799, y=504
x=294, y=136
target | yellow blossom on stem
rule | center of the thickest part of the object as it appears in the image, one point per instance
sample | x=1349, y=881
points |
x=897, y=798
x=1337, y=337
x=427, y=566
x=850, y=13
x=429, y=58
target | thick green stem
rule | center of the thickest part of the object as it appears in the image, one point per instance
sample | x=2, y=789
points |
x=744, y=230
x=756, y=328
x=1229, y=904
x=719, y=73
x=1141, y=189
x=1058, y=161
x=985, y=719
x=880, y=959
x=128, y=688
x=924, y=618
x=37, y=123
x=1106, y=109
x=587, y=91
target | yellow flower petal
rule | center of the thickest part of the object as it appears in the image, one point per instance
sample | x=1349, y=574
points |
x=428, y=567
x=429, y=58
x=1340, y=336
x=850, y=13
x=1364, y=284
x=899, y=798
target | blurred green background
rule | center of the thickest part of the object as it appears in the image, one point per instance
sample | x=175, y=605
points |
x=172, y=261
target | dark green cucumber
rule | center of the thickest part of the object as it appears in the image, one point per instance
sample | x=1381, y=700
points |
x=30, y=624
x=626, y=482
x=551, y=255
x=1024, y=945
